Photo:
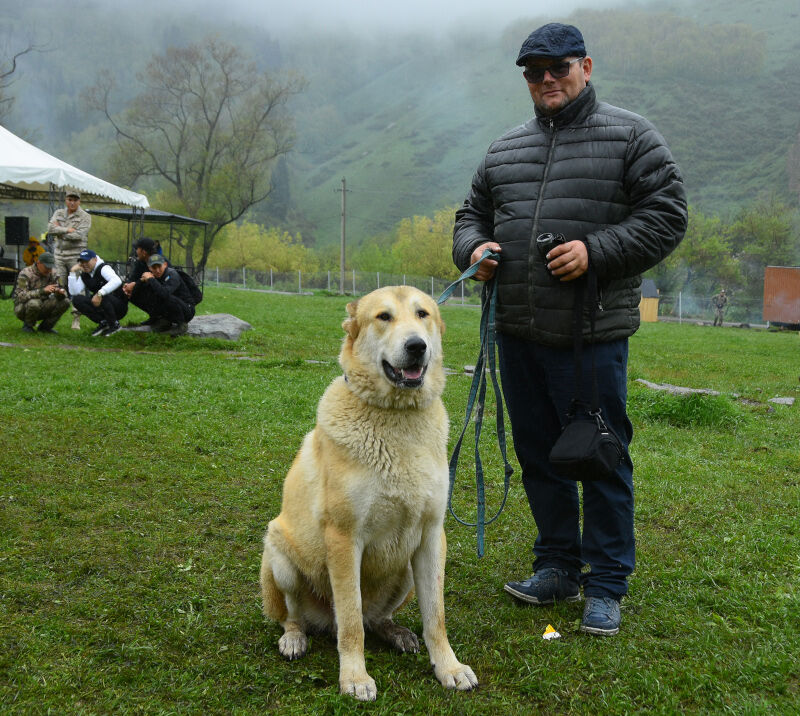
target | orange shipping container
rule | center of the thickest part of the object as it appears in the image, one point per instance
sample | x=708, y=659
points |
x=782, y=294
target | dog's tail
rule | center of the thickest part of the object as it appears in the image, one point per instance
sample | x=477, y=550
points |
x=272, y=599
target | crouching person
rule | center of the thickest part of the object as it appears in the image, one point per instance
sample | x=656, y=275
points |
x=165, y=298
x=38, y=298
x=107, y=303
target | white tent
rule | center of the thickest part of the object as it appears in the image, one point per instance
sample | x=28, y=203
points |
x=30, y=174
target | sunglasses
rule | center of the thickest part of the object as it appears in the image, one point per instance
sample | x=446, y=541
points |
x=557, y=71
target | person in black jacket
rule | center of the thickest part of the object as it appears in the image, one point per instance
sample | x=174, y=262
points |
x=604, y=179
x=106, y=303
x=142, y=250
x=165, y=298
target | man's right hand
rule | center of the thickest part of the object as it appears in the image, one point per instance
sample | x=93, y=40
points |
x=127, y=289
x=487, y=269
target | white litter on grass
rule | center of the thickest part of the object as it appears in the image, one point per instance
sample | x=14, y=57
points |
x=550, y=633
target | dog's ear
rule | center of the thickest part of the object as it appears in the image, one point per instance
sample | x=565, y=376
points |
x=350, y=324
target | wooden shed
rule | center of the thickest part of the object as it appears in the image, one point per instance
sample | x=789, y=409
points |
x=648, y=306
x=782, y=295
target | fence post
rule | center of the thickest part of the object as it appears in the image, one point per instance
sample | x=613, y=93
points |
x=299, y=281
x=379, y=279
x=329, y=281
x=354, y=282
x=404, y=279
x=680, y=307
x=244, y=277
x=270, y=278
x=217, y=276
x=433, y=293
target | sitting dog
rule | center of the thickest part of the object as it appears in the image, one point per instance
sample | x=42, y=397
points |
x=361, y=522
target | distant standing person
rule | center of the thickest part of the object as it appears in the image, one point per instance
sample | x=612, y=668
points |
x=720, y=301
x=38, y=296
x=107, y=303
x=604, y=180
x=70, y=226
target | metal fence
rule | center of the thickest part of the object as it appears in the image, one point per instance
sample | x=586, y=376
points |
x=677, y=307
x=688, y=307
x=356, y=283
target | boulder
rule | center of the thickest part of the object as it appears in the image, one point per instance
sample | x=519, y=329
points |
x=218, y=325
x=214, y=325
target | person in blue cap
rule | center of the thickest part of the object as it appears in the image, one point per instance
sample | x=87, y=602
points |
x=96, y=292
x=604, y=180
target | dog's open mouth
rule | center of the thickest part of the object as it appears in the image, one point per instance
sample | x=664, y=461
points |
x=409, y=377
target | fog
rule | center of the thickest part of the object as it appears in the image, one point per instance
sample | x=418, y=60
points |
x=379, y=15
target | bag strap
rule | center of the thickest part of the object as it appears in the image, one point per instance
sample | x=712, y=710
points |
x=585, y=291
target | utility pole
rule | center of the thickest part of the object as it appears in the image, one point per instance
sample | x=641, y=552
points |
x=341, y=251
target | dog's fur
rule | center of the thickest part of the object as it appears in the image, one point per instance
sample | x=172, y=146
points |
x=361, y=523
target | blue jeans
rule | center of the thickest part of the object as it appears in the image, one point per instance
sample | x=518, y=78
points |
x=538, y=386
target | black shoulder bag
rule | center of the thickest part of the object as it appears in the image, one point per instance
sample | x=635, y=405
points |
x=587, y=448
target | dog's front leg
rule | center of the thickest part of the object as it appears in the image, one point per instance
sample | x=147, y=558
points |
x=428, y=565
x=344, y=569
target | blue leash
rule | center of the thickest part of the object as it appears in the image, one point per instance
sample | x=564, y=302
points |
x=478, y=393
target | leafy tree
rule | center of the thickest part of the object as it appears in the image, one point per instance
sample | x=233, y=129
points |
x=261, y=249
x=705, y=255
x=762, y=235
x=207, y=128
x=423, y=246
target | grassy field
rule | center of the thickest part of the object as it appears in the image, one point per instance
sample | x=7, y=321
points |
x=138, y=474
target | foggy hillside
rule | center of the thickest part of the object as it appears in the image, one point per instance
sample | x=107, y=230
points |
x=405, y=105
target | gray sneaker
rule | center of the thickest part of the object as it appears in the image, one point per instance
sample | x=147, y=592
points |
x=546, y=586
x=601, y=616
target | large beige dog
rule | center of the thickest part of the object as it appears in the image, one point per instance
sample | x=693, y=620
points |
x=363, y=504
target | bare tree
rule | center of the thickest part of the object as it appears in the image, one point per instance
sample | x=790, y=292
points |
x=7, y=68
x=208, y=125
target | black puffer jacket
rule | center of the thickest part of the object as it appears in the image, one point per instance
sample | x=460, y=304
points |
x=592, y=172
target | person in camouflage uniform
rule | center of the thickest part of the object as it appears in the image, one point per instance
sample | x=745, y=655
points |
x=38, y=295
x=71, y=228
x=719, y=302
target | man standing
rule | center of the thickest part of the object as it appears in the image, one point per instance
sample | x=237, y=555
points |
x=720, y=301
x=108, y=303
x=603, y=178
x=165, y=298
x=38, y=297
x=71, y=228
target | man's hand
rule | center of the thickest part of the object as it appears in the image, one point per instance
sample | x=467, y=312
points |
x=487, y=269
x=54, y=288
x=146, y=276
x=76, y=269
x=127, y=288
x=97, y=299
x=70, y=230
x=568, y=261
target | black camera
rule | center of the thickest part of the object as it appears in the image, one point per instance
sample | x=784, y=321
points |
x=546, y=242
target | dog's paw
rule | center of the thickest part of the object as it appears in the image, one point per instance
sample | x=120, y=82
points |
x=402, y=639
x=362, y=688
x=460, y=677
x=293, y=644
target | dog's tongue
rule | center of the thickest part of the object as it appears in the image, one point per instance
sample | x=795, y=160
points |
x=411, y=373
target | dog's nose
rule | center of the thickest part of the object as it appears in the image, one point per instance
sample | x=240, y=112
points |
x=416, y=347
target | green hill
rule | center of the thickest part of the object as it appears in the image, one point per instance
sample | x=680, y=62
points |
x=407, y=118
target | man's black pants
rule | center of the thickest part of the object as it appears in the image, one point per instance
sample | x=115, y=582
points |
x=172, y=308
x=110, y=310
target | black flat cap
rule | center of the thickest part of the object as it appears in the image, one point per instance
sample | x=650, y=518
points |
x=552, y=40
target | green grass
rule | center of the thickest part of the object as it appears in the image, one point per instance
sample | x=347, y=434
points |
x=139, y=472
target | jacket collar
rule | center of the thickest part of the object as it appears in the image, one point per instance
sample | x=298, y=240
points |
x=581, y=106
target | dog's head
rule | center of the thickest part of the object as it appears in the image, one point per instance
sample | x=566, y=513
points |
x=392, y=353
